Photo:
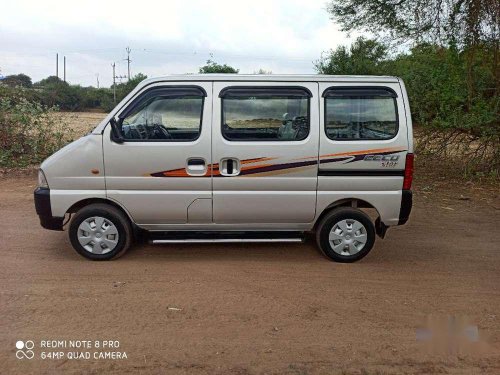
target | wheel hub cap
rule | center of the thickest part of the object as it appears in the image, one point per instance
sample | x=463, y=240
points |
x=348, y=237
x=97, y=235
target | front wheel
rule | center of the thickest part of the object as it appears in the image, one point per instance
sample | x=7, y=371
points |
x=100, y=232
x=345, y=235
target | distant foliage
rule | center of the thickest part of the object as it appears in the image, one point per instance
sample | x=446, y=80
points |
x=459, y=120
x=17, y=80
x=29, y=131
x=263, y=71
x=53, y=91
x=213, y=67
x=363, y=57
x=123, y=89
x=452, y=71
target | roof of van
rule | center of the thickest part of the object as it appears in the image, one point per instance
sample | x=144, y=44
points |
x=270, y=77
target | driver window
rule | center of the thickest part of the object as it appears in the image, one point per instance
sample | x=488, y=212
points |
x=164, y=118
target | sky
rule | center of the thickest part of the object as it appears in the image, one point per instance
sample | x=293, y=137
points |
x=165, y=37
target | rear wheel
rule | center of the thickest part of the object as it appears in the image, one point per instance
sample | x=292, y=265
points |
x=345, y=234
x=100, y=232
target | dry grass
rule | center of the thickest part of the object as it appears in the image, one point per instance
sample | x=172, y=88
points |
x=82, y=122
x=255, y=123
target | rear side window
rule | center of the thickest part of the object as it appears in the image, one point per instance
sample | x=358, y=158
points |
x=360, y=113
x=166, y=114
x=265, y=114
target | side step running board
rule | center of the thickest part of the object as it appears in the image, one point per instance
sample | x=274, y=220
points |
x=227, y=240
x=224, y=237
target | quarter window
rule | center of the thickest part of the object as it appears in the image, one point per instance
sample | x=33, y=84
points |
x=360, y=114
x=164, y=115
x=265, y=114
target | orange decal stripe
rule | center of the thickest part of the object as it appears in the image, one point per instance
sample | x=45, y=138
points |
x=250, y=161
x=176, y=173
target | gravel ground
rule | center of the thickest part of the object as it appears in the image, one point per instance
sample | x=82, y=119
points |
x=260, y=309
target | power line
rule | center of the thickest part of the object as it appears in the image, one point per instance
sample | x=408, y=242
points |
x=226, y=55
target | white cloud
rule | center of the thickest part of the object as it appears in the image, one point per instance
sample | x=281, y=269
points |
x=165, y=36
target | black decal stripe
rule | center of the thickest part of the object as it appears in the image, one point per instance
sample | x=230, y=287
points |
x=362, y=173
x=335, y=160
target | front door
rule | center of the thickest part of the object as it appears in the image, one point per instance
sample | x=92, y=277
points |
x=265, y=152
x=160, y=173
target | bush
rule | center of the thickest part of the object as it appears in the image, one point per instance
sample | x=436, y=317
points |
x=461, y=122
x=16, y=80
x=29, y=131
x=458, y=120
x=213, y=67
x=364, y=57
x=54, y=91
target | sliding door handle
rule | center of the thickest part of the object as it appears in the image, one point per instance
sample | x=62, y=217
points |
x=196, y=166
x=229, y=167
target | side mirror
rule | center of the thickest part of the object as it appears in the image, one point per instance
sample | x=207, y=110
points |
x=116, y=134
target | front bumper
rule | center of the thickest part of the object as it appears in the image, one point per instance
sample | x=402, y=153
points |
x=406, y=205
x=44, y=211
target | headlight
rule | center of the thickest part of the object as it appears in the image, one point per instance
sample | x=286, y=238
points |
x=42, y=181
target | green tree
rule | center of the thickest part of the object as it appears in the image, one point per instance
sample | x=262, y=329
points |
x=472, y=26
x=18, y=80
x=123, y=89
x=50, y=81
x=97, y=98
x=56, y=92
x=452, y=72
x=364, y=57
x=213, y=67
x=263, y=71
x=462, y=22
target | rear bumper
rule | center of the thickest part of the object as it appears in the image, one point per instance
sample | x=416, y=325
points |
x=406, y=205
x=44, y=211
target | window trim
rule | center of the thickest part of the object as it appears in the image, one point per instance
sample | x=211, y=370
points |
x=182, y=90
x=264, y=92
x=393, y=95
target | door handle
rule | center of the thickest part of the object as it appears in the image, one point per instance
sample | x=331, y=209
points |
x=230, y=167
x=196, y=167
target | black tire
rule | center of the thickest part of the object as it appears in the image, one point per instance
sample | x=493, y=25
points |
x=115, y=216
x=330, y=220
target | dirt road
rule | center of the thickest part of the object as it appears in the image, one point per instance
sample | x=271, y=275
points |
x=257, y=309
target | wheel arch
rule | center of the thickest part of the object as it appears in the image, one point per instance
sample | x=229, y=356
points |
x=85, y=202
x=346, y=202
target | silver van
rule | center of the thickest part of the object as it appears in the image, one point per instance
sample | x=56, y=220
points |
x=232, y=158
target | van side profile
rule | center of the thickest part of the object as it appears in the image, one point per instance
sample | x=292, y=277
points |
x=232, y=158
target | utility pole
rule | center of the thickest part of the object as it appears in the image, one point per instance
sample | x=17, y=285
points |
x=57, y=65
x=114, y=81
x=64, y=68
x=97, y=77
x=128, y=61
